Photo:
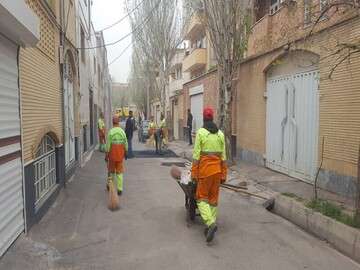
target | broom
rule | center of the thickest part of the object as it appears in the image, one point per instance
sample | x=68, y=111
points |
x=113, y=199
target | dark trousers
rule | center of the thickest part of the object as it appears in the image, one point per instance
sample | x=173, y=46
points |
x=190, y=135
x=130, y=150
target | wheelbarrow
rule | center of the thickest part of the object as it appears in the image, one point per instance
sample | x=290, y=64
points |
x=189, y=191
x=190, y=202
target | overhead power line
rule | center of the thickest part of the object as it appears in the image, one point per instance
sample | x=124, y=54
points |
x=123, y=18
x=138, y=27
x=121, y=54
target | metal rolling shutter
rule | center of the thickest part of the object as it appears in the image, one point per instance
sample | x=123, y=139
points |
x=196, y=110
x=11, y=189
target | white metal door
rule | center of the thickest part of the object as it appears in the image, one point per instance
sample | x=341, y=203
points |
x=69, y=117
x=292, y=124
x=11, y=187
x=196, y=110
x=176, y=122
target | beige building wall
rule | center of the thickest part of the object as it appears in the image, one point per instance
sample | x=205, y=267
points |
x=70, y=20
x=339, y=96
x=40, y=86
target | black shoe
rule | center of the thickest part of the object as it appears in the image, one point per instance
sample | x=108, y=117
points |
x=206, y=231
x=211, y=232
x=119, y=192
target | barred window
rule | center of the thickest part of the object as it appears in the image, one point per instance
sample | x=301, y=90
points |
x=44, y=170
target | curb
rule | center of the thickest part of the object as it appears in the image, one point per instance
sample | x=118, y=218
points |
x=342, y=237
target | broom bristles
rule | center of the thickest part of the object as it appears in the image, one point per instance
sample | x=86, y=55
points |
x=113, y=201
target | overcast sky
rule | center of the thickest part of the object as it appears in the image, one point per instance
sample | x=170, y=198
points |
x=105, y=13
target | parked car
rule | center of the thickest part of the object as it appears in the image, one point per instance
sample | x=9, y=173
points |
x=143, y=132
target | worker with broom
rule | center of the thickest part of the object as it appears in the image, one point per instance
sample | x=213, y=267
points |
x=102, y=132
x=116, y=151
x=209, y=170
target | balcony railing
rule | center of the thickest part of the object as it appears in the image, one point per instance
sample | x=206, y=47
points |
x=194, y=28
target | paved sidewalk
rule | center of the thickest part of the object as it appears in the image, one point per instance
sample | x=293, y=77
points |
x=263, y=180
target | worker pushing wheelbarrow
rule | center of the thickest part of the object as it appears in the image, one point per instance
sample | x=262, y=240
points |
x=208, y=171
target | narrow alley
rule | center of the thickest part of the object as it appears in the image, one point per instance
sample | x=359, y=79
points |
x=151, y=231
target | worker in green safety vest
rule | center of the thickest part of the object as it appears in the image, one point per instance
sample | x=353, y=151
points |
x=209, y=170
x=116, y=151
x=102, y=132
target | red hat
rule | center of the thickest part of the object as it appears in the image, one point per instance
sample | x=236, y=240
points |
x=115, y=119
x=208, y=114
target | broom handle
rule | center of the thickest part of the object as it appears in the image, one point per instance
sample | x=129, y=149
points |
x=244, y=192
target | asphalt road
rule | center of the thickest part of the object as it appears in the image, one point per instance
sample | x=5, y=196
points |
x=151, y=231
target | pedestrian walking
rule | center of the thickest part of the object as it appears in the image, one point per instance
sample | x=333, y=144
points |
x=153, y=133
x=209, y=170
x=163, y=130
x=102, y=133
x=129, y=131
x=116, y=150
x=189, y=126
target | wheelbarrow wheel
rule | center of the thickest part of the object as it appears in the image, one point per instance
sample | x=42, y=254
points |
x=192, y=209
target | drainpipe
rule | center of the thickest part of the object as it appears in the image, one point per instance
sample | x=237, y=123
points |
x=62, y=70
x=22, y=144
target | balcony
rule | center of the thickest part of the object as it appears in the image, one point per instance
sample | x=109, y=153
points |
x=175, y=86
x=177, y=60
x=194, y=28
x=196, y=60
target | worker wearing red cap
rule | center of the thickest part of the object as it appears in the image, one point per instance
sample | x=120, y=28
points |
x=209, y=170
x=116, y=149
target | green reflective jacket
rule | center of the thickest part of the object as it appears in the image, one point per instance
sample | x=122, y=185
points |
x=116, y=135
x=206, y=142
x=101, y=123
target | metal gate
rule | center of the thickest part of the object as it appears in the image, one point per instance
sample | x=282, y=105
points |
x=176, y=120
x=69, y=115
x=292, y=124
x=11, y=185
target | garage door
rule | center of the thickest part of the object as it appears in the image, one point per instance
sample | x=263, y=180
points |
x=292, y=124
x=196, y=110
x=176, y=121
x=11, y=192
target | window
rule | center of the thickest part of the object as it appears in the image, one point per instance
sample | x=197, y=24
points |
x=261, y=8
x=274, y=6
x=178, y=73
x=85, y=144
x=94, y=64
x=307, y=12
x=82, y=37
x=44, y=169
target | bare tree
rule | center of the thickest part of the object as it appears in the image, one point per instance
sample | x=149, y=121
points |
x=344, y=50
x=142, y=81
x=228, y=25
x=157, y=39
